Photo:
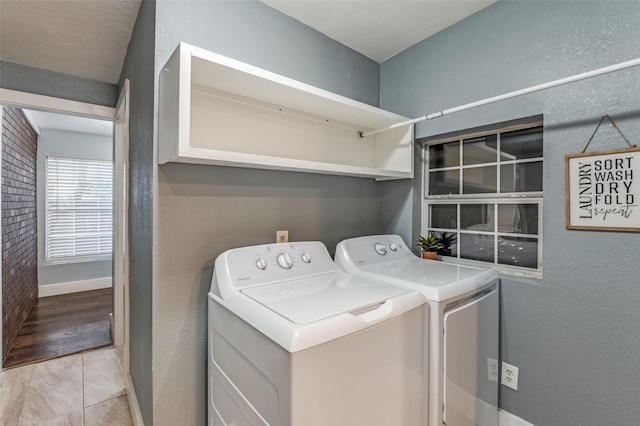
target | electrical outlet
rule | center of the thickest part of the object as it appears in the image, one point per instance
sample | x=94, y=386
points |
x=492, y=369
x=510, y=376
x=282, y=236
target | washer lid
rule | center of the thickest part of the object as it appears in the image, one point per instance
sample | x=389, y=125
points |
x=436, y=280
x=317, y=298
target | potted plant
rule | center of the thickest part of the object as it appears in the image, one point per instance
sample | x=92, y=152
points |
x=446, y=239
x=429, y=245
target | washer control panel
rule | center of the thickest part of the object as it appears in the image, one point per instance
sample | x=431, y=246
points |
x=263, y=264
x=371, y=249
x=382, y=248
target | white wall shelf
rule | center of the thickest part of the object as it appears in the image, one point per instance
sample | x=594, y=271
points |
x=216, y=110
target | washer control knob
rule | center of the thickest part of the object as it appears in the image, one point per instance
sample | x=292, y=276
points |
x=261, y=264
x=380, y=249
x=285, y=261
x=393, y=247
x=306, y=258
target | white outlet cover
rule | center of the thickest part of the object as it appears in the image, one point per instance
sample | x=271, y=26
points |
x=282, y=236
x=510, y=376
x=492, y=370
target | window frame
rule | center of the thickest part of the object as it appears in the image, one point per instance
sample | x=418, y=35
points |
x=96, y=257
x=493, y=198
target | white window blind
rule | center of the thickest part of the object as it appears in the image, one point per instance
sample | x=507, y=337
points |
x=79, y=216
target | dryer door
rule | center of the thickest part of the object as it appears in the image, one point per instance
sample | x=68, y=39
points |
x=471, y=344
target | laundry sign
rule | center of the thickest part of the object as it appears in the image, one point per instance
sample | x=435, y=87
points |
x=603, y=190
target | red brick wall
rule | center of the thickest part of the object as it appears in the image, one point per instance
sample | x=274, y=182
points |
x=19, y=232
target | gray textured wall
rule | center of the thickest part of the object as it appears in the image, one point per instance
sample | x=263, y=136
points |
x=204, y=210
x=574, y=334
x=139, y=69
x=256, y=34
x=70, y=145
x=55, y=84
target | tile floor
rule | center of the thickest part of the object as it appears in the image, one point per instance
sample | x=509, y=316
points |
x=81, y=389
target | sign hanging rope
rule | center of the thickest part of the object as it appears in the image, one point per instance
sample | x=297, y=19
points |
x=613, y=123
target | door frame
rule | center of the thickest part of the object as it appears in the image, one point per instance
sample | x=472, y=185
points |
x=1, y=245
x=120, y=258
x=65, y=106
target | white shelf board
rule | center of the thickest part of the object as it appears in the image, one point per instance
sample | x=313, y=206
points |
x=229, y=75
x=273, y=122
x=235, y=159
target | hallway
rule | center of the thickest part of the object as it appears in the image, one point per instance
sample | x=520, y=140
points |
x=62, y=325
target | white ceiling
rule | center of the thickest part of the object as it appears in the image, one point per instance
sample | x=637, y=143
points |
x=89, y=38
x=51, y=121
x=379, y=29
x=83, y=38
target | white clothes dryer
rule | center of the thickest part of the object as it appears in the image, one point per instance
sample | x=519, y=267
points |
x=292, y=340
x=463, y=330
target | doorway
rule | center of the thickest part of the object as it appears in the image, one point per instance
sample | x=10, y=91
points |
x=117, y=121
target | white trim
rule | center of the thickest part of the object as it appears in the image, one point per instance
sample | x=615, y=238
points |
x=1, y=242
x=40, y=102
x=134, y=407
x=505, y=418
x=30, y=100
x=31, y=121
x=74, y=287
x=120, y=264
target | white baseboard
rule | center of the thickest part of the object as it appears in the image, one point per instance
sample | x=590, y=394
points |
x=507, y=419
x=74, y=287
x=134, y=408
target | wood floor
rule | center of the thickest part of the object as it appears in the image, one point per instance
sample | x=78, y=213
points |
x=62, y=325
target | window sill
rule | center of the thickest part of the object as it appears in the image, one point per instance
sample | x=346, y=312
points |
x=501, y=269
x=78, y=260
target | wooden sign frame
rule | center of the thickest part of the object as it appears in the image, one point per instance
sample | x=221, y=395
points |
x=602, y=190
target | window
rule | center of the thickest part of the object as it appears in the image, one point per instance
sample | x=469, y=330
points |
x=486, y=189
x=79, y=210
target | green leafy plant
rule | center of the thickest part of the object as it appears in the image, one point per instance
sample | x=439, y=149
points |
x=446, y=239
x=429, y=243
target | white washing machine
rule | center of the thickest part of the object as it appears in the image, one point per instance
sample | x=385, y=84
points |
x=295, y=341
x=464, y=324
